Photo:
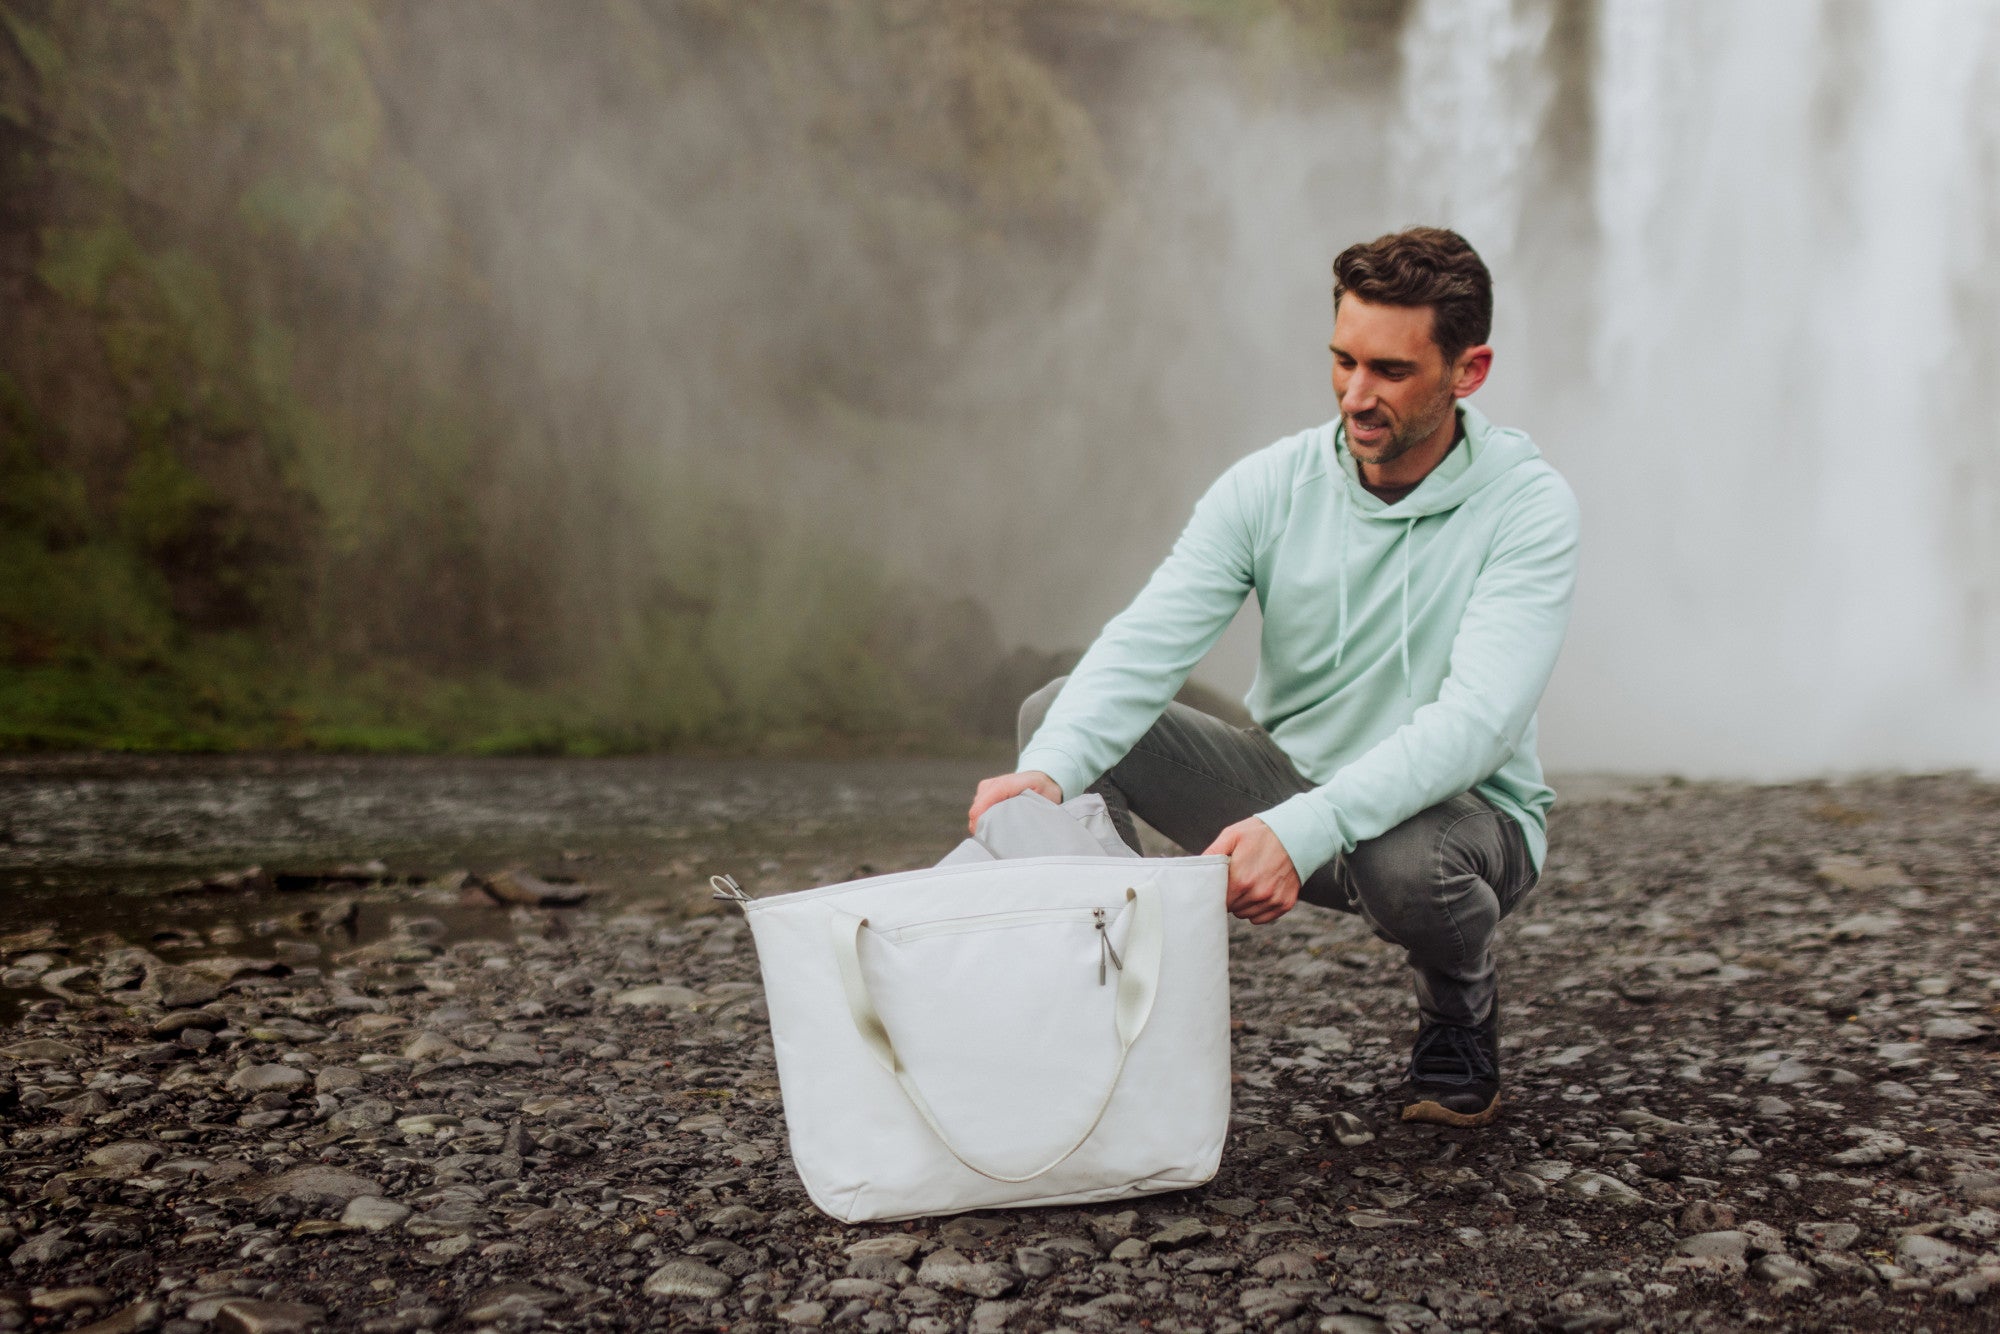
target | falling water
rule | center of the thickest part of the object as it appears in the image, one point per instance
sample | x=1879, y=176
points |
x=1790, y=480
x=1475, y=90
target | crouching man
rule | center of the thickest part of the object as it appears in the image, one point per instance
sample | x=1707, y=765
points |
x=1414, y=564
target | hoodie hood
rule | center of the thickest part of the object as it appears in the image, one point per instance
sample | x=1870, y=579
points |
x=1490, y=451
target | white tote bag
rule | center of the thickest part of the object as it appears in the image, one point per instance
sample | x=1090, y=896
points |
x=1039, y=1030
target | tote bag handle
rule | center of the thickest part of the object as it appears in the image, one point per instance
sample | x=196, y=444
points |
x=1138, y=983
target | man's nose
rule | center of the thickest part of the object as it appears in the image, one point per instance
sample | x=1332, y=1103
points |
x=1359, y=396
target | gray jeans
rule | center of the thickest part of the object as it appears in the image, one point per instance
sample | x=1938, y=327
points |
x=1436, y=885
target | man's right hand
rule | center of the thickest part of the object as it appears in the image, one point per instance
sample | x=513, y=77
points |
x=993, y=791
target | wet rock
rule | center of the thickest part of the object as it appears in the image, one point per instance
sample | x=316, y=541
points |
x=141, y=1315
x=253, y=1079
x=1286, y=1264
x=522, y=888
x=1178, y=1233
x=1368, y=1219
x=1351, y=1324
x=43, y=1049
x=64, y=1300
x=371, y=1213
x=1827, y=1236
x=1350, y=1131
x=178, y=988
x=1638, y=1118
x=992, y=1317
x=1267, y=1304
x=1876, y=1146
x=361, y=1114
x=125, y=1159
x=1919, y=1252
x=337, y=1078
x=686, y=1278
x=1726, y=1243
x=1974, y=1288
x=314, y=1183
x=804, y=1315
x=175, y=1022
x=1951, y=1029
x=899, y=1246
x=1866, y=926
x=242, y=1316
x=1784, y=1274
x=1852, y=873
x=950, y=1270
x=447, y=1218
x=510, y=1302
x=431, y=1047
x=660, y=996
x=1597, y=1186
x=44, y=1248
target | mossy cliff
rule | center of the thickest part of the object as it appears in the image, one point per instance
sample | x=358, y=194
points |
x=292, y=454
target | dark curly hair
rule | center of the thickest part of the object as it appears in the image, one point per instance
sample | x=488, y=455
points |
x=1423, y=266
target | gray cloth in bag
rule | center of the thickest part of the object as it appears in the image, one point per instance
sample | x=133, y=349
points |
x=1030, y=825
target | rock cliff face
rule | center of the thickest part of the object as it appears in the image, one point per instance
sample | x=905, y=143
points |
x=485, y=375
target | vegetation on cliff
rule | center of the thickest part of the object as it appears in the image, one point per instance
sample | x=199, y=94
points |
x=297, y=451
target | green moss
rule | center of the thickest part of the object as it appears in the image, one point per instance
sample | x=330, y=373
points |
x=78, y=261
x=44, y=53
x=301, y=211
x=315, y=502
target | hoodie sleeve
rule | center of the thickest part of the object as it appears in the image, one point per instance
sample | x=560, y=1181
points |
x=1143, y=654
x=1501, y=660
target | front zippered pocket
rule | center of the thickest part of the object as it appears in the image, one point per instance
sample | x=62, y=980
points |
x=1099, y=920
x=993, y=921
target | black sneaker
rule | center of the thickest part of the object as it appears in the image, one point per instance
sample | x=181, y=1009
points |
x=1455, y=1073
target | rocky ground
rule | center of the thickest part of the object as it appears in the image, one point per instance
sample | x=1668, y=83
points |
x=1751, y=1068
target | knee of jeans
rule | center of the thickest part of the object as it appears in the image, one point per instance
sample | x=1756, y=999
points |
x=1035, y=708
x=1396, y=877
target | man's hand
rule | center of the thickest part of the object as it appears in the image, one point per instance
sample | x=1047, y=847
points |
x=993, y=791
x=1263, y=883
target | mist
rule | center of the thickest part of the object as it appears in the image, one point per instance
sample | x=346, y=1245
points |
x=1745, y=266
x=802, y=335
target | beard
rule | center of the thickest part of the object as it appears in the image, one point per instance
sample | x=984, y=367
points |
x=1418, y=428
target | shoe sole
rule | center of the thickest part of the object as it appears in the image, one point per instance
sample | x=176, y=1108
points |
x=1438, y=1114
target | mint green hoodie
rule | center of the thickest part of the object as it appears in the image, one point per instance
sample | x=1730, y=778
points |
x=1404, y=647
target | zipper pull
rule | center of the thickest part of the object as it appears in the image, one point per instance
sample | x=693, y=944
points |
x=1104, y=950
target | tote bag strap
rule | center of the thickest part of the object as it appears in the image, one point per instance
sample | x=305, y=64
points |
x=1138, y=983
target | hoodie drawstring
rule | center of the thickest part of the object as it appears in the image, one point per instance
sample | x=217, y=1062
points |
x=1409, y=540
x=1340, y=562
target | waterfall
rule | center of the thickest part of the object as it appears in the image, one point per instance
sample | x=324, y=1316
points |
x=1475, y=91
x=1778, y=428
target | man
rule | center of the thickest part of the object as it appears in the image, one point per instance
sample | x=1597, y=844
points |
x=1414, y=565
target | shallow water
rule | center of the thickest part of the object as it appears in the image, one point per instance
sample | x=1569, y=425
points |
x=118, y=845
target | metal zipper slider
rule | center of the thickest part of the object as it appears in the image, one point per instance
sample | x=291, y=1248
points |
x=1104, y=950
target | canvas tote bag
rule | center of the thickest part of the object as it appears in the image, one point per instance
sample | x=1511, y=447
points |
x=1010, y=1032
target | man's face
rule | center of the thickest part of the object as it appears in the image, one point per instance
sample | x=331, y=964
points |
x=1396, y=390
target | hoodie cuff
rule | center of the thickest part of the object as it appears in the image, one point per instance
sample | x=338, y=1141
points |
x=1070, y=776
x=1305, y=835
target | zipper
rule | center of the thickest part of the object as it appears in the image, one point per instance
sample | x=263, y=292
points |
x=991, y=921
x=1104, y=950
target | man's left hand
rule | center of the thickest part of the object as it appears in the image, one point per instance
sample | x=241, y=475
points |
x=1263, y=884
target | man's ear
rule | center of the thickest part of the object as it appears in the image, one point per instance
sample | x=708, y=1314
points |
x=1471, y=371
